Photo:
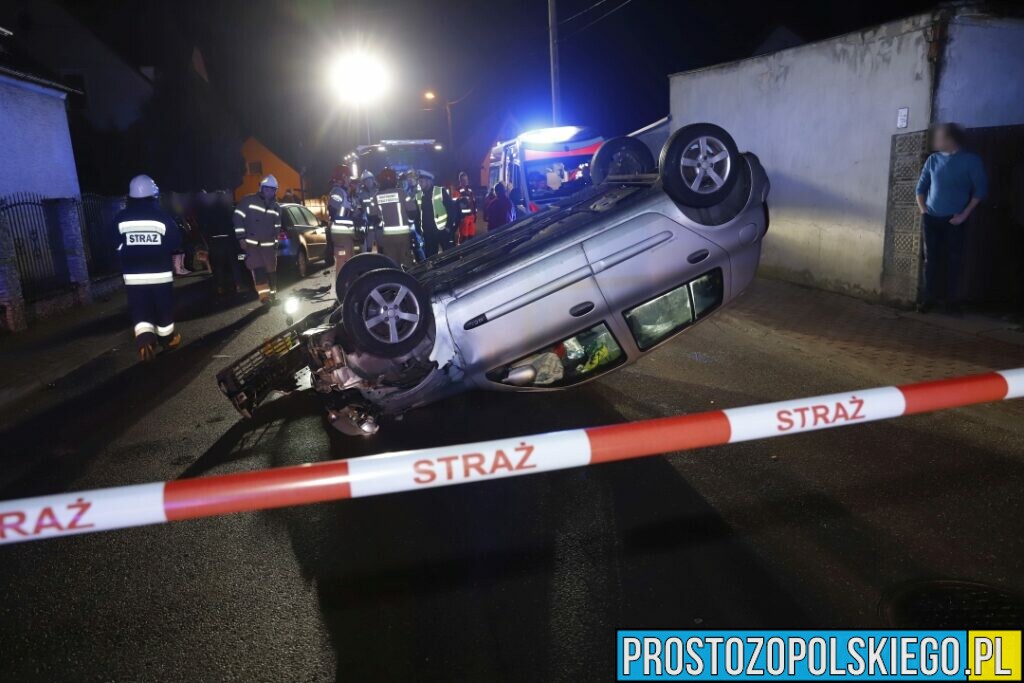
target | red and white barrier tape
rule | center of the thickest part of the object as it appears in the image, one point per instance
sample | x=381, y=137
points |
x=127, y=506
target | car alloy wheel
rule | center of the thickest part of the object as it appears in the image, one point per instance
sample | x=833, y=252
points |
x=705, y=165
x=387, y=313
x=699, y=165
x=391, y=314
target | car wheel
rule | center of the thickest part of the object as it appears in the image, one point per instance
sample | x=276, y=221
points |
x=356, y=266
x=699, y=165
x=386, y=313
x=621, y=156
x=302, y=263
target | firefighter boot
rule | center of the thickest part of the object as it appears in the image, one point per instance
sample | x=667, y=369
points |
x=147, y=352
x=173, y=342
x=273, y=287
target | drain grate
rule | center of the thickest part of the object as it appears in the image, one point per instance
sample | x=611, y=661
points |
x=948, y=604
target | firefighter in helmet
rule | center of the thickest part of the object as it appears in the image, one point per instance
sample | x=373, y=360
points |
x=257, y=222
x=149, y=237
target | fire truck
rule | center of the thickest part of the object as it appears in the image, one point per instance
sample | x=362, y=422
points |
x=399, y=155
x=544, y=165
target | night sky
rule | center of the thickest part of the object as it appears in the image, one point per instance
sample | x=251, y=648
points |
x=267, y=58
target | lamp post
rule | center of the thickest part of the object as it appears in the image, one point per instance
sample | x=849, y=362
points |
x=430, y=97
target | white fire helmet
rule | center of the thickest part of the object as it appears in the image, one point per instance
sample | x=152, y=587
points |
x=142, y=186
x=269, y=181
x=366, y=175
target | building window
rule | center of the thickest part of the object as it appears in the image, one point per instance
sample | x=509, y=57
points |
x=255, y=168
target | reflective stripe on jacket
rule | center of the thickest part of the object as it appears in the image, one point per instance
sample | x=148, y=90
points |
x=147, y=238
x=255, y=219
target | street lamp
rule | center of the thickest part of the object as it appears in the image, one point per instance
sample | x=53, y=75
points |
x=430, y=96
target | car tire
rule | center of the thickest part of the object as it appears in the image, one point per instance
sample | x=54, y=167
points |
x=699, y=165
x=302, y=263
x=621, y=156
x=356, y=266
x=386, y=313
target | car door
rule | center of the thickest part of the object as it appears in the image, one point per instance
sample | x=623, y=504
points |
x=652, y=258
x=303, y=233
x=518, y=319
x=315, y=234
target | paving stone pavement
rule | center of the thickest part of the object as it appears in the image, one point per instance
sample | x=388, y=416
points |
x=895, y=346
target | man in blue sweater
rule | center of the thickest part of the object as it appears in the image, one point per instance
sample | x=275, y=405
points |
x=951, y=185
x=148, y=239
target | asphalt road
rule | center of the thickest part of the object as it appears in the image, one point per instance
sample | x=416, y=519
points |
x=516, y=579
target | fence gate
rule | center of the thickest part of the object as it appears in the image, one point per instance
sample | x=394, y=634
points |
x=37, y=248
x=97, y=219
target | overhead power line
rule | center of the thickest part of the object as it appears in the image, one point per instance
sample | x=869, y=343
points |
x=603, y=16
x=582, y=12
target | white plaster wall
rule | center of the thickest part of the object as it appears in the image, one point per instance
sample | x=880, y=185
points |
x=981, y=82
x=35, y=144
x=820, y=117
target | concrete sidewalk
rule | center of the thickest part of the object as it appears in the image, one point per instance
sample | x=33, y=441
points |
x=876, y=341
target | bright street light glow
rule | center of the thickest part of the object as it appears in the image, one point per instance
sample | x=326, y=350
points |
x=429, y=95
x=291, y=305
x=438, y=147
x=358, y=78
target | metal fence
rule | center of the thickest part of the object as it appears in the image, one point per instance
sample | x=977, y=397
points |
x=97, y=218
x=38, y=244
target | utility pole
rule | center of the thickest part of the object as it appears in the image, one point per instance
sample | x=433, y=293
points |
x=556, y=107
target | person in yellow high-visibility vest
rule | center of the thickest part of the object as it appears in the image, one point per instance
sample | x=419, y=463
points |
x=436, y=210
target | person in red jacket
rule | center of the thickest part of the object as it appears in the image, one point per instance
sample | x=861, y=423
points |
x=500, y=210
x=466, y=200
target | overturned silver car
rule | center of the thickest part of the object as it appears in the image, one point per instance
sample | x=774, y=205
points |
x=557, y=298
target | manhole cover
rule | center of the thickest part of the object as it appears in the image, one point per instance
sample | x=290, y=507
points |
x=947, y=604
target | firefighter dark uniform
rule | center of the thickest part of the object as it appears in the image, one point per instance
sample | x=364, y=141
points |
x=435, y=208
x=257, y=223
x=343, y=227
x=410, y=204
x=367, y=210
x=148, y=238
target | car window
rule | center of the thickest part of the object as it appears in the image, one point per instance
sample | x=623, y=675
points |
x=549, y=179
x=309, y=217
x=286, y=218
x=580, y=357
x=666, y=314
x=296, y=216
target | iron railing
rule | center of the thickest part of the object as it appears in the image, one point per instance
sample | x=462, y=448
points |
x=37, y=244
x=97, y=215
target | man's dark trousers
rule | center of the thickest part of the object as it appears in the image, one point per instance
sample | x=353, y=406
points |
x=943, y=252
x=224, y=262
